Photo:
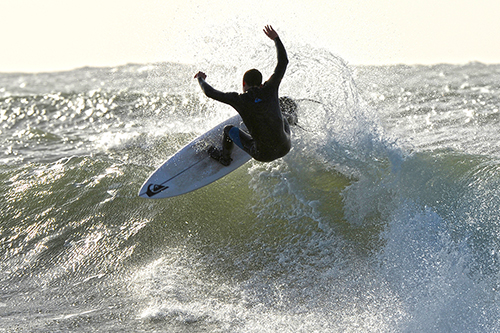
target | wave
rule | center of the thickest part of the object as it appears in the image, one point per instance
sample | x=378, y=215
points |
x=350, y=229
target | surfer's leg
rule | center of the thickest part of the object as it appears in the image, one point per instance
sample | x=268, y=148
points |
x=243, y=140
x=224, y=155
x=227, y=144
x=233, y=134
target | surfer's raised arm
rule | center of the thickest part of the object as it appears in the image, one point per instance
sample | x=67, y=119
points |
x=280, y=69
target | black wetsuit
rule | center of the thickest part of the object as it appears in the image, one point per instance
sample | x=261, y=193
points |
x=259, y=108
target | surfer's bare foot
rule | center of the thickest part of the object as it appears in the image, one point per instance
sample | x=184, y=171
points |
x=216, y=154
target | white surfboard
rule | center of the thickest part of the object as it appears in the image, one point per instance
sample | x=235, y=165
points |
x=191, y=167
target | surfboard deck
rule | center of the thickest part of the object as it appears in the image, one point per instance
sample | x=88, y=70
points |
x=191, y=167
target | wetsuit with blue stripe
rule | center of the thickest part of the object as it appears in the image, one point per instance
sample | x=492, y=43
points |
x=268, y=136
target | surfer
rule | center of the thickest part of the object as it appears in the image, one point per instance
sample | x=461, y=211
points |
x=268, y=136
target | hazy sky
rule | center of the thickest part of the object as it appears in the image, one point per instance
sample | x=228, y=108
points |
x=64, y=34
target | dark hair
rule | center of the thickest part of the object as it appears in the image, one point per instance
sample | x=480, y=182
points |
x=253, y=78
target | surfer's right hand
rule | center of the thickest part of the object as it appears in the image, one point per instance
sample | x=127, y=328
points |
x=200, y=74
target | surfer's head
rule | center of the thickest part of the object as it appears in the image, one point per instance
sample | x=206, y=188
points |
x=252, y=78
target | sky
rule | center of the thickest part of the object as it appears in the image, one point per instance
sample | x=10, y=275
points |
x=53, y=35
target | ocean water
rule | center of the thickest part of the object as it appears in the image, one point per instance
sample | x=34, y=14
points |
x=384, y=217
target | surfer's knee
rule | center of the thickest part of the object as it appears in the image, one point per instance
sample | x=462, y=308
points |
x=227, y=129
x=227, y=136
